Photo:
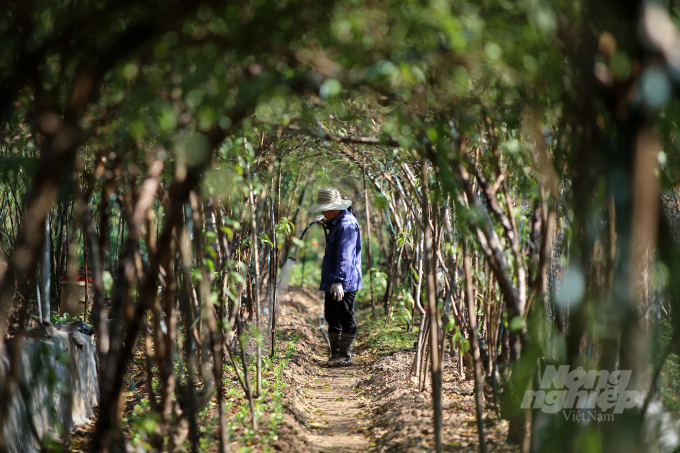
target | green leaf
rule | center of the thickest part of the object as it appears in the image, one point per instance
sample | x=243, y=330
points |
x=265, y=239
x=450, y=325
x=464, y=345
x=236, y=277
x=517, y=324
x=330, y=88
x=107, y=279
x=380, y=201
x=228, y=231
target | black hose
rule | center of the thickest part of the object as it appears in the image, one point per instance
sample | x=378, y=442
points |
x=301, y=237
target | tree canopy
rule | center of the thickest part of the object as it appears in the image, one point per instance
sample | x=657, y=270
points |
x=517, y=155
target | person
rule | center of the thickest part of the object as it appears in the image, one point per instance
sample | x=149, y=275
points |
x=340, y=271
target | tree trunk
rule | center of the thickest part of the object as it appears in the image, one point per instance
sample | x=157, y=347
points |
x=474, y=340
x=432, y=313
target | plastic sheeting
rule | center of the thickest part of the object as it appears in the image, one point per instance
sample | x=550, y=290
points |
x=57, y=388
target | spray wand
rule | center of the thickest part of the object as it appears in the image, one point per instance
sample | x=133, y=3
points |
x=290, y=262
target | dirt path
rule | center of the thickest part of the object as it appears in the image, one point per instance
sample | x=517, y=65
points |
x=334, y=402
x=327, y=402
x=373, y=405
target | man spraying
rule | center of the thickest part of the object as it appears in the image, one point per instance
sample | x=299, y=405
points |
x=340, y=271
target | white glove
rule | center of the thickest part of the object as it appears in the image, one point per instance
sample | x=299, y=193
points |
x=320, y=220
x=337, y=291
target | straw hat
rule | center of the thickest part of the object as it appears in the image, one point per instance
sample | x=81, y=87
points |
x=329, y=199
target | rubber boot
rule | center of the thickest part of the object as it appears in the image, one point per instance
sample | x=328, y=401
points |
x=334, y=339
x=346, y=349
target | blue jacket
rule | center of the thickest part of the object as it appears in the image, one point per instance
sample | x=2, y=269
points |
x=342, y=261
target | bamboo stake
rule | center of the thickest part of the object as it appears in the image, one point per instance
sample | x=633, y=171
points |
x=422, y=365
x=368, y=247
x=148, y=352
x=415, y=369
x=390, y=305
x=274, y=268
x=390, y=273
x=415, y=366
x=256, y=288
x=244, y=362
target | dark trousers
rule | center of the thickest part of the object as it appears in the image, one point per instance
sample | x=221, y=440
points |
x=340, y=313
